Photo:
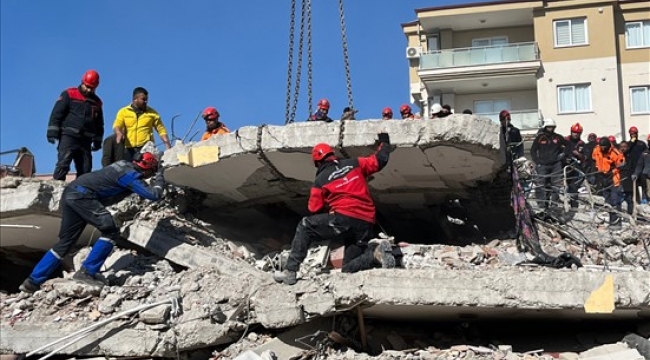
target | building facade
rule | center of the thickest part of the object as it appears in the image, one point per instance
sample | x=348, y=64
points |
x=585, y=61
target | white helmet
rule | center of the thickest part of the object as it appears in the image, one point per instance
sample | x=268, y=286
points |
x=435, y=108
x=549, y=123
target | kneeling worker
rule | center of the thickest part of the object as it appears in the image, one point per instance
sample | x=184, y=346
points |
x=84, y=202
x=343, y=209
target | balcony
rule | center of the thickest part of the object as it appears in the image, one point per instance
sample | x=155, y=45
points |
x=477, y=56
x=522, y=119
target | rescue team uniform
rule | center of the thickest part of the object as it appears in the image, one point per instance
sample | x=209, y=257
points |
x=84, y=202
x=77, y=122
x=547, y=152
x=608, y=167
x=218, y=131
x=344, y=210
x=138, y=128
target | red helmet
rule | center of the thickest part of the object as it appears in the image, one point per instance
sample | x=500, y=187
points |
x=612, y=138
x=576, y=128
x=592, y=136
x=387, y=112
x=210, y=113
x=324, y=104
x=321, y=151
x=503, y=114
x=405, y=109
x=146, y=161
x=90, y=79
x=633, y=130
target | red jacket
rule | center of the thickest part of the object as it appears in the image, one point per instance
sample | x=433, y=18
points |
x=341, y=185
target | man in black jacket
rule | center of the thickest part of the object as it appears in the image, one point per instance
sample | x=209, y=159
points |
x=77, y=123
x=512, y=137
x=547, y=152
x=642, y=172
x=636, y=148
x=84, y=202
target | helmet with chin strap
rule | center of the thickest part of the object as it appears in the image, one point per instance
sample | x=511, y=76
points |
x=321, y=151
x=146, y=161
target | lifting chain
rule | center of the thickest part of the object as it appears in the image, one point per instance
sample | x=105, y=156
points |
x=292, y=27
x=309, y=59
x=346, y=60
x=301, y=41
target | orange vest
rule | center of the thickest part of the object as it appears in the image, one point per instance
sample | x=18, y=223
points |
x=219, y=131
x=606, y=163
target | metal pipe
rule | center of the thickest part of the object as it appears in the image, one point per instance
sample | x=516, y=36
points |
x=20, y=226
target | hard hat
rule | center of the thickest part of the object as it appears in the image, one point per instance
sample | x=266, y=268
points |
x=549, y=123
x=146, y=161
x=576, y=128
x=404, y=109
x=321, y=151
x=436, y=108
x=387, y=111
x=611, y=138
x=503, y=114
x=324, y=104
x=90, y=79
x=633, y=130
x=210, y=113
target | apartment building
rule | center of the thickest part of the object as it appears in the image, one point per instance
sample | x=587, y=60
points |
x=585, y=61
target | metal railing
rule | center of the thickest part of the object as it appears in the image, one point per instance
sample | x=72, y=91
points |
x=479, y=55
x=522, y=119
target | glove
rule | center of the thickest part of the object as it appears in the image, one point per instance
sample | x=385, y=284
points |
x=633, y=177
x=52, y=140
x=96, y=145
x=383, y=137
x=561, y=156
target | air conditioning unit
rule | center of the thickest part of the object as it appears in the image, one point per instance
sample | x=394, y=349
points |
x=413, y=52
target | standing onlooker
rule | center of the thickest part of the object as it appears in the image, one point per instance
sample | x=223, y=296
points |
x=321, y=112
x=626, y=171
x=387, y=114
x=642, y=173
x=512, y=137
x=637, y=147
x=212, y=124
x=588, y=165
x=608, y=160
x=348, y=113
x=134, y=124
x=77, y=123
x=406, y=112
x=547, y=152
x=112, y=150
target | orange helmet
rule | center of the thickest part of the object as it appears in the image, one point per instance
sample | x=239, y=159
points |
x=321, y=151
x=90, y=79
x=324, y=104
x=210, y=113
x=146, y=161
x=633, y=130
x=405, y=109
x=576, y=128
x=387, y=112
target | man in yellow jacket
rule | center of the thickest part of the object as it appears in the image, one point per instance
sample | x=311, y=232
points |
x=134, y=124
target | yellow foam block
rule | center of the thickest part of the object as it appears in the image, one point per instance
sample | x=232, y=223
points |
x=601, y=300
x=201, y=155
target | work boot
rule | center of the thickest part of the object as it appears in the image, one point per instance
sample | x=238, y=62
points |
x=383, y=255
x=614, y=221
x=288, y=277
x=29, y=286
x=84, y=277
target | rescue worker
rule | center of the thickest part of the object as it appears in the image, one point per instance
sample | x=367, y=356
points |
x=636, y=148
x=406, y=112
x=84, y=202
x=436, y=111
x=212, y=124
x=348, y=113
x=612, y=140
x=588, y=165
x=342, y=209
x=446, y=111
x=387, y=114
x=112, y=151
x=642, y=172
x=134, y=124
x=512, y=138
x=574, y=158
x=547, y=152
x=322, y=111
x=468, y=112
x=626, y=171
x=77, y=123
x=608, y=161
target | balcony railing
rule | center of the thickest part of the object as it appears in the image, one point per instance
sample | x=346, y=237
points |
x=480, y=55
x=522, y=119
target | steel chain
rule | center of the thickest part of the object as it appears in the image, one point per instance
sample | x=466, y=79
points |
x=309, y=60
x=301, y=40
x=292, y=27
x=346, y=60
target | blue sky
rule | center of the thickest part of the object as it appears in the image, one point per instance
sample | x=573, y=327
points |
x=228, y=54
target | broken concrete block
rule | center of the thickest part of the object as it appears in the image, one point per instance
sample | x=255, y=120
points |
x=156, y=315
x=109, y=303
x=609, y=351
x=336, y=257
x=569, y=356
x=248, y=355
x=71, y=288
x=285, y=346
x=201, y=333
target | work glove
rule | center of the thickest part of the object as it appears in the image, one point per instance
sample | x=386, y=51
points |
x=383, y=137
x=633, y=177
x=96, y=145
x=52, y=140
x=560, y=157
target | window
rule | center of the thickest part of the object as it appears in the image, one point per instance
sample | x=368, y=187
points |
x=640, y=99
x=574, y=98
x=490, y=106
x=494, y=41
x=433, y=43
x=637, y=34
x=570, y=32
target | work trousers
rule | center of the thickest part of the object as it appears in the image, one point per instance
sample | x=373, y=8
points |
x=73, y=149
x=354, y=233
x=612, y=195
x=79, y=208
x=549, y=181
x=574, y=182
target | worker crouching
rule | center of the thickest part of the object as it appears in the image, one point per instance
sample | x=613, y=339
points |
x=84, y=202
x=343, y=210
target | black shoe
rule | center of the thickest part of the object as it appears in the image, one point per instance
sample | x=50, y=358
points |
x=286, y=276
x=383, y=255
x=83, y=277
x=29, y=287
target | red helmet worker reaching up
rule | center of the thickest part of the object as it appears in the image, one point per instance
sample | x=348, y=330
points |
x=321, y=112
